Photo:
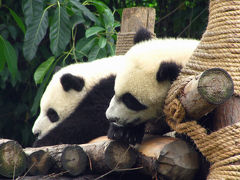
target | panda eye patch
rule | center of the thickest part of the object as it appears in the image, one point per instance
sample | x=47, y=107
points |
x=52, y=115
x=132, y=103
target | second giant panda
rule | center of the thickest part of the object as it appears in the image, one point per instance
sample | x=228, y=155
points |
x=72, y=108
x=142, y=84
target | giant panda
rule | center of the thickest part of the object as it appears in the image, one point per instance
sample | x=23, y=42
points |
x=72, y=108
x=74, y=103
x=142, y=83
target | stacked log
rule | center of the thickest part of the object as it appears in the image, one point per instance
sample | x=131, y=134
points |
x=13, y=161
x=156, y=156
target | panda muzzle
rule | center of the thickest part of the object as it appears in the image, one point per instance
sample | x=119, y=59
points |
x=37, y=133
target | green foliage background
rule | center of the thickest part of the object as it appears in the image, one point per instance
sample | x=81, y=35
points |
x=36, y=36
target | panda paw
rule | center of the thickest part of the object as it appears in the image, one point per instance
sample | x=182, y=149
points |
x=129, y=135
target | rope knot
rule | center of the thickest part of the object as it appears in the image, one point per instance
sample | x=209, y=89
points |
x=174, y=112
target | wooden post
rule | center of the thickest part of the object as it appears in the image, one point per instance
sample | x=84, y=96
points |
x=132, y=20
x=136, y=17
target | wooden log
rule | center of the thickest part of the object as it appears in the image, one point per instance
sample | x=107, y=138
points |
x=108, y=155
x=133, y=19
x=201, y=95
x=136, y=17
x=39, y=161
x=103, y=156
x=158, y=156
x=164, y=156
x=99, y=139
x=70, y=159
x=227, y=113
x=74, y=160
x=167, y=157
x=59, y=177
x=13, y=160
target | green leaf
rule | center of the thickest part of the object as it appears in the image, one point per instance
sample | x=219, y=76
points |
x=102, y=42
x=2, y=56
x=116, y=24
x=9, y=56
x=111, y=49
x=31, y=8
x=60, y=31
x=42, y=70
x=85, y=11
x=37, y=98
x=93, y=53
x=41, y=89
x=108, y=18
x=34, y=34
x=76, y=19
x=84, y=45
x=13, y=31
x=102, y=53
x=100, y=6
x=93, y=30
x=18, y=20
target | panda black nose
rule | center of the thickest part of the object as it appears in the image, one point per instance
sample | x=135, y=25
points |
x=37, y=133
x=114, y=120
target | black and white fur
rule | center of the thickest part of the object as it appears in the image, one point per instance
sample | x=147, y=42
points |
x=142, y=84
x=74, y=103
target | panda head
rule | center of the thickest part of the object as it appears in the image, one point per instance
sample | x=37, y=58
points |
x=142, y=84
x=59, y=100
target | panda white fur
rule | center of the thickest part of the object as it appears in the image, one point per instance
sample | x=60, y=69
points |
x=74, y=103
x=142, y=84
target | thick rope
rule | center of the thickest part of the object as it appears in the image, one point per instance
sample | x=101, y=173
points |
x=125, y=42
x=219, y=47
x=221, y=148
x=220, y=44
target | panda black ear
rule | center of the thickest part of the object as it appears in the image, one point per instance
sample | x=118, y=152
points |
x=142, y=35
x=70, y=81
x=168, y=71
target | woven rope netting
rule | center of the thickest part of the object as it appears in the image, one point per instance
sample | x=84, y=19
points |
x=125, y=42
x=219, y=47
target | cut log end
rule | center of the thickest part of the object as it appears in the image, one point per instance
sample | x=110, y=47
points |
x=13, y=160
x=215, y=85
x=120, y=156
x=170, y=157
x=74, y=160
x=205, y=92
x=39, y=163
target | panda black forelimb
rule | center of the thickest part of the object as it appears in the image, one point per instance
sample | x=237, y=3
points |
x=127, y=134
